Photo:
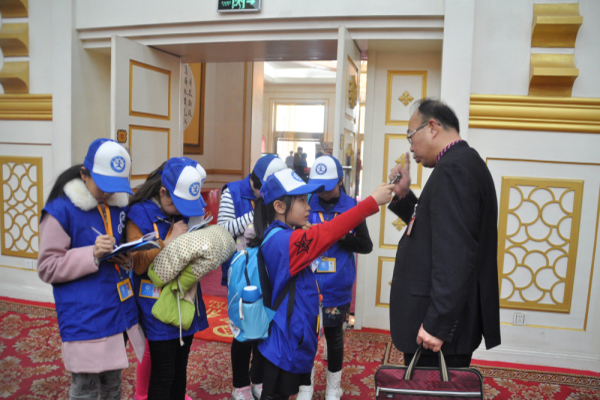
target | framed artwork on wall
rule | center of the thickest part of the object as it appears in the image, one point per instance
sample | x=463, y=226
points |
x=193, y=77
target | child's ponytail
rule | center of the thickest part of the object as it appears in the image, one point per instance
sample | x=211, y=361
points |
x=150, y=188
x=261, y=222
x=264, y=215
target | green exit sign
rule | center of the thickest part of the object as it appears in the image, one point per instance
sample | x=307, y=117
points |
x=239, y=5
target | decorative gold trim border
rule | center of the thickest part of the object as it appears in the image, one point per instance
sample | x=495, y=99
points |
x=148, y=128
x=39, y=185
x=26, y=107
x=535, y=113
x=388, y=100
x=508, y=183
x=225, y=172
x=587, y=307
x=417, y=185
x=380, y=261
x=350, y=117
x=19, y=268
x=132, y=113
x=199, y=148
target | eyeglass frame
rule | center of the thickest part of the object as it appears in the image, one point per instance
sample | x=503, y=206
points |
x=410, y=135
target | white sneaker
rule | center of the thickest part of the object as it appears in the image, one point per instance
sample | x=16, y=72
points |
x=334, y=391
x=305, y=392
x=244, y=393
x=256, y=390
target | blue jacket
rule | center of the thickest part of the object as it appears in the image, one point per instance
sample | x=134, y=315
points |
x=336, y=287
x=242, y=196
x=293, y=349
x=144, y=215
x=90, y=307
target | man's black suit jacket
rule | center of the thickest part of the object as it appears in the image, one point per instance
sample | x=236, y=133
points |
x=446, y=271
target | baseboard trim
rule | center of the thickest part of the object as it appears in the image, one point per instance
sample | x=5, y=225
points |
x=547, y=358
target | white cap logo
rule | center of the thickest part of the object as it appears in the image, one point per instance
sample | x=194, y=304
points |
x=297, y=177
x=321, y=169
x=118, y=164
x=194, y=188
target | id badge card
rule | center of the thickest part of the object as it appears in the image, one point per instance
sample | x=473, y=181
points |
x=315, y=264
x=326, y=265
x=124, y=289
x=148, y=290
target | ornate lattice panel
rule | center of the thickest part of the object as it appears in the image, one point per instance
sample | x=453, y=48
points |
x=22, y=200
x=538, y=238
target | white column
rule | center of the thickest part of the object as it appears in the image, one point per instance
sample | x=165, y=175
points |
x=457, y=56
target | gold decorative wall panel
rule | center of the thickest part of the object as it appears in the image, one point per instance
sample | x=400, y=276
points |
x=26, y=107
x=403, y=87
x=14, y=40
x=538, y=238
x=395, y=148
x=535, y=113
x=21, y=206
x=552, y=75
x=14, y=8
x=555, y=25
x=14, y=77
x=384, y=278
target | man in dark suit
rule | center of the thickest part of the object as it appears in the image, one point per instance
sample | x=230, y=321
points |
x=444, y=291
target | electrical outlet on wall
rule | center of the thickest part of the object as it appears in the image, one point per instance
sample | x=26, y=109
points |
x=519, y=318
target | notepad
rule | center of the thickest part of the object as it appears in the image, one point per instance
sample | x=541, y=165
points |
x=146, y=242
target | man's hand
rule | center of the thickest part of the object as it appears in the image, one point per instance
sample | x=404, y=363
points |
x=402, y=187
x=429, y=342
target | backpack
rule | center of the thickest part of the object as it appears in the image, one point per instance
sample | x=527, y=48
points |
x=250, y=318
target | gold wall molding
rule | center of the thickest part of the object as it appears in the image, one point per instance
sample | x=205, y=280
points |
x=14, y=77
x=555, y=25
x=14, y=8
x=14, y=40
x=403, y=99
x=538, y=237
x=380, y=261
x=133, y=63
x=21, y=206
x=535, y=113
x=35, y=107
x=552, y=75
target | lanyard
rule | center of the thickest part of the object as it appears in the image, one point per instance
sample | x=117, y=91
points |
x=252, y=201
x=323, y=219
x=158, y=234
x=105, y=214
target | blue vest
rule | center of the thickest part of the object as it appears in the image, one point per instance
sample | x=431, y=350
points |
x=293, y=349
x=336, y=287
x=90, y=307
x=242, y=196
x=144, y=214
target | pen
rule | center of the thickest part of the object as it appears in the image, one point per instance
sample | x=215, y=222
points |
x=396, y=178
x=164, y=220
x=100, y=234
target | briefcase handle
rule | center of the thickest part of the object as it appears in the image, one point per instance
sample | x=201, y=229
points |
x=413, y=363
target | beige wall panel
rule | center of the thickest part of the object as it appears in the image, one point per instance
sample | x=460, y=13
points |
x=150, y=91
x=385, y=272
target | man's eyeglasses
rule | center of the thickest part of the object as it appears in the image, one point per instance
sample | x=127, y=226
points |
x=410, y=135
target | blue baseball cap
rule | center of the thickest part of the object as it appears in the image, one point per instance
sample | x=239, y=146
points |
x=327, y=171
x=109, y=164
x=200, y=170
x=183, y=181
x=267, y=165
x=283, y=183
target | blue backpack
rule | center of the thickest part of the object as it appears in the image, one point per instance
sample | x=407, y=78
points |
x=250, y=312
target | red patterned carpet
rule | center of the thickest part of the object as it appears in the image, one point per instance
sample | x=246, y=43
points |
x=31, y=366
